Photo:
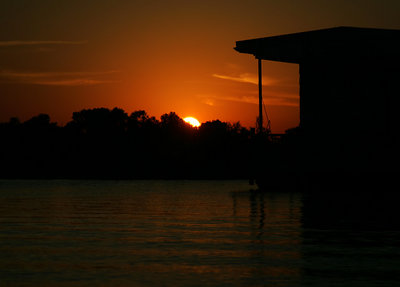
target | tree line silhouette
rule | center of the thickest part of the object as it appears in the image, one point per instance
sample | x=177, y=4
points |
x=110, y=144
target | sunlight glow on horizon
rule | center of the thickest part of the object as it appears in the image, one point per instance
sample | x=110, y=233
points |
x=192, y=121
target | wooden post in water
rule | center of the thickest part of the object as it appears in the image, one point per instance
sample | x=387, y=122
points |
x=260, y=101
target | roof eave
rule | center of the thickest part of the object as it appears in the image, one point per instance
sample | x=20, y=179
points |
x=332, y=43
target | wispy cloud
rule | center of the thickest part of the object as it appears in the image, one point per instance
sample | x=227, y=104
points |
x=209, y=101
x=275, y=93
x=39, y=43
x=59, y=78
x=246, y=78
x=287, y=100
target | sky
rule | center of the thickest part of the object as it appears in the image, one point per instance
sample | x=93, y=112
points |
x=58, y=57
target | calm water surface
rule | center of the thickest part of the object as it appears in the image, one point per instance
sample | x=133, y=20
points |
x=189, y=233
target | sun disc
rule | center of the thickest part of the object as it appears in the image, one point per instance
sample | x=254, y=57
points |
x=192, y=121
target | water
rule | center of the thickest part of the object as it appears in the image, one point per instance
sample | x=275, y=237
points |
x=188, y=233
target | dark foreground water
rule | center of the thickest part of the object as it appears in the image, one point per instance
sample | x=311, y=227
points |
x=192, y=233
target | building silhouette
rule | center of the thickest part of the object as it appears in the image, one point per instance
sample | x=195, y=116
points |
x=349, y=92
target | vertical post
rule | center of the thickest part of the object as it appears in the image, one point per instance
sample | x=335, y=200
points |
x=260, y=101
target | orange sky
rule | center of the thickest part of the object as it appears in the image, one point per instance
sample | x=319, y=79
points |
x=58, y=57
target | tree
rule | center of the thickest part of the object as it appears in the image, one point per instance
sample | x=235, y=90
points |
x=100, y=121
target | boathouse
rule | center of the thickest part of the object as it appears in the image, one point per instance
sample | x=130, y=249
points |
x=349, y=84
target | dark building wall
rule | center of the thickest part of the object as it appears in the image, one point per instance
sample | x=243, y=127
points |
x=349, y=110
x=350, y=98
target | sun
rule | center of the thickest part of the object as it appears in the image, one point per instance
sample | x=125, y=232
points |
x=192, y=121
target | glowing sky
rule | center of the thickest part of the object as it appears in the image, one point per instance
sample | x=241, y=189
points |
x=60, y=56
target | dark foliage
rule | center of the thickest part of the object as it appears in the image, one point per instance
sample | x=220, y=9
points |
x=102, y=143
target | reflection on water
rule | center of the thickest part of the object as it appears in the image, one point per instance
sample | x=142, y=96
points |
x=188, y=233
x=351, y=239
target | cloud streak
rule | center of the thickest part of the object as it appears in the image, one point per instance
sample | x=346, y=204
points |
x=39, y=43
x=287, y=100
x=246, y=78
x=273, y=97
x=59, y=78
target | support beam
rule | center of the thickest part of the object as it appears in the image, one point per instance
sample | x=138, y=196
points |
x=260, y=101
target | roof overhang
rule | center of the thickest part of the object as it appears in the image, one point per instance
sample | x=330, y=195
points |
x=332, y=43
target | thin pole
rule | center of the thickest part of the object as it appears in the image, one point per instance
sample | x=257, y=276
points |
x=260, y=101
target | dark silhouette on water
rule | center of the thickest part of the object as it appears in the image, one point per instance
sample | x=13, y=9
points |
x=349, y=95
x=349, y=126
x=108, y=144
x=356, y=235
